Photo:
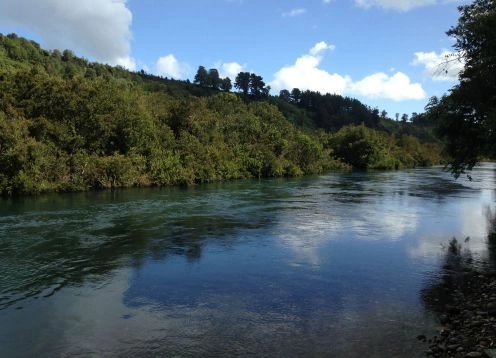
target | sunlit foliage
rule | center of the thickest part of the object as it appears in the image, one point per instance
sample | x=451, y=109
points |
x=68, y=125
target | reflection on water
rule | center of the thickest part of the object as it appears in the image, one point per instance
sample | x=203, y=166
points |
x=460, y=290
x=330, y=265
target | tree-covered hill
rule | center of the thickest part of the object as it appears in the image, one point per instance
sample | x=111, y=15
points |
x=67, y=124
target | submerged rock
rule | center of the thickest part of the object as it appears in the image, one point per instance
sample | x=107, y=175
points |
x=474, y=355
x=465, y=306
x=490, y=353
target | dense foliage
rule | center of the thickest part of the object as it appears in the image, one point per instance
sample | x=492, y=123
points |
x=467, y=115
x=364, y=148
x=67, y=124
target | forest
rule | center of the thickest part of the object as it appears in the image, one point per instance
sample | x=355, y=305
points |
x=67, y=124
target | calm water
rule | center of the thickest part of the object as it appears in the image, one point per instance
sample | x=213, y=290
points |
x=321, y=266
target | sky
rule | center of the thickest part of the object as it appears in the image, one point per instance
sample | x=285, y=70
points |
x=389, y=54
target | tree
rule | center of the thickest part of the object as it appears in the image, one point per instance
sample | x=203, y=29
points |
x=466, y=117
x=307, y=99
x=213, y=79
x=256, y=85
x=242, y=82
x=225, y=84
x=201, y=77
x=251, y=84
x=67, y=55
x=362, y=147
x=295, y=95
x=266, y=91
x=285, y=95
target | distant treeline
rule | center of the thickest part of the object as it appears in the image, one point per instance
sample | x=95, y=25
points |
x=67, y=125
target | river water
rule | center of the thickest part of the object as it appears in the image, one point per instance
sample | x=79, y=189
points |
x=331, y=265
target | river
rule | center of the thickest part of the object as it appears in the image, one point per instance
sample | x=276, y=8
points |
x=331, y=265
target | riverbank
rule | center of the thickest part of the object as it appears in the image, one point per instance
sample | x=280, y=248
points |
x=465, y=304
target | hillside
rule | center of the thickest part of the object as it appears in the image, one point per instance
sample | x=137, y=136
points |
x=67, y=124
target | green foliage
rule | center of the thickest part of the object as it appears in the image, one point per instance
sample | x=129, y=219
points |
x=201, y=77
x=213, y=79
x=467, y=115
x=69, y=125
x=251, y=85
x=366, y=148
x=329, y=112
x=242, y=82
x=225, y=84
x=359, y=146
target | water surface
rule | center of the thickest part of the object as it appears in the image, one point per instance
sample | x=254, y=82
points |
x=318, y=266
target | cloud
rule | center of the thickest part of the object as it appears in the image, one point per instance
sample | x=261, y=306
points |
x=126, y=62
x=326, y=1
x=98, y=28
x=230, y=69
x=397, y=87
x=469, y=221
x=306, y=74
x=294, y=12
x=444, y=66
x=169, y=66
x=320, y=47
x=398, y=5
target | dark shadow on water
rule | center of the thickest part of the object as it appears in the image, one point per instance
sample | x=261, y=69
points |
x=359, y=187
x=459, y=266
x=70, y=240
x=463, y=298
x=457, y=262
x=491, y=237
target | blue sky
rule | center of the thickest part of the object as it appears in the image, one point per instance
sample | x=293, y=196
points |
x=386, y=53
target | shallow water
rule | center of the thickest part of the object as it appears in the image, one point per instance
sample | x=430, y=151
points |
x=318, y=266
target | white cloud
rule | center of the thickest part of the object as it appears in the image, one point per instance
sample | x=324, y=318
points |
x=126, y=62
x=169, y=66
x=294, y=12
x=444, y=66
x=230, y=69
x=305, y=74
x=326, y=1
x=398, y=5
x=98, y=28
x=397, y=87
x=320, y=47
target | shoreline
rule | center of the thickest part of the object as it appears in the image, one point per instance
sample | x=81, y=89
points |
x=464, y=303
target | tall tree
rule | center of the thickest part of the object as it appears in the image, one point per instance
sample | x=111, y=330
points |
x=213, y=78
x=285, y=95
x=467, y=116
x=266, y=91
x=201, y=77
x=242, y=82
x=256, y=85
x=225, y=84
x=295, y=95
